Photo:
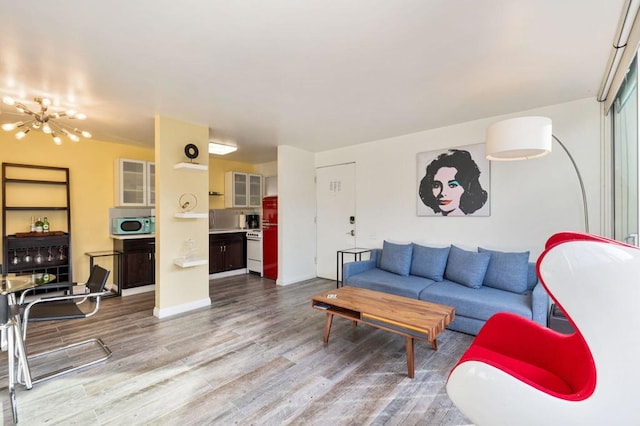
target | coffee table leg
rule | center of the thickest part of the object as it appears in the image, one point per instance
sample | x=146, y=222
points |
x=434, y=344
x=327, y=327
x=410, y=359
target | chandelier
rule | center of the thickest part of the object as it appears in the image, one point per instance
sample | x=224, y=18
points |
x=44, y=120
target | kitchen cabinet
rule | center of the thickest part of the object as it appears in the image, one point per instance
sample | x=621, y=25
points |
x=134, y=183
x=242, y=190
x=227, y=252
x=138, y=261
x=31, y=190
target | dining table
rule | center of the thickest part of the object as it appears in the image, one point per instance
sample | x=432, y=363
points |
x=11, y=327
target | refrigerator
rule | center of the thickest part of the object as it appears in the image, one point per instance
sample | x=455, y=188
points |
x=270, y=237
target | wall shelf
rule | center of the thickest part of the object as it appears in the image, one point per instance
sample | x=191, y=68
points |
x=192, y=215
x=184, y=263
x=192, y=166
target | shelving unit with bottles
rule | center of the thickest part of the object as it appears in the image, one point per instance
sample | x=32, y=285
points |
x=32, y=190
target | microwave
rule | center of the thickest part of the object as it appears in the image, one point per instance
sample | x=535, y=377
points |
x=131, y=225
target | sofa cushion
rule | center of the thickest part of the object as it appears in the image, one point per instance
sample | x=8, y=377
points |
x=387, y=282
x=466, y=267
x=507, y=271
x=396, y=258
x=429, y=262
x=479, y=303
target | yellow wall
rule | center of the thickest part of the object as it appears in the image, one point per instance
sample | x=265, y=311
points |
x=91, y=173
x=217, y=168
x=180, y=289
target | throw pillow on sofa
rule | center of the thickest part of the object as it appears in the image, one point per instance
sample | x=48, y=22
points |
x=507, y=271
x=396, y=258
x=429, y=262
x=466, y=267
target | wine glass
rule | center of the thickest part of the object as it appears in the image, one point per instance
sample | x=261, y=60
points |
x=15, y=259
x=61, y=256
x=50, y=256
x=27, y=257
x=38, y=259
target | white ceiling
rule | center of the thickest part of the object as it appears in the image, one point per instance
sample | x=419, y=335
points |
x=315, y=74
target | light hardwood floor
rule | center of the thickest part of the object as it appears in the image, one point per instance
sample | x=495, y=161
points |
x=254, y=357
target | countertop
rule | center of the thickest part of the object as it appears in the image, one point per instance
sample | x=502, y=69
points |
x=211, y=231
x=227, y=231
x=131, y=236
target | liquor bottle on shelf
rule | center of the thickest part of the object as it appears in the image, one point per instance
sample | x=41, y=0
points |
x=32, y=228
x=39, y=225
x=45, y=225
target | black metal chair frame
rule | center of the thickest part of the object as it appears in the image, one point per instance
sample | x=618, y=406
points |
x=65, y=307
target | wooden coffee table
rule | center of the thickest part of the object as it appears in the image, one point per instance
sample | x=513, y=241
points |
x=413, y=319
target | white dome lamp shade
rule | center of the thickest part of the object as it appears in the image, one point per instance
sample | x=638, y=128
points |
x=520, y=138
x=524, y=138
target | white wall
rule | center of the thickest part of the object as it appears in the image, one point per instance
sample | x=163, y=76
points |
x=530, y=200
x=296, y=215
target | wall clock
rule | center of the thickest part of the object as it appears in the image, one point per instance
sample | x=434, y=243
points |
x=191, y=151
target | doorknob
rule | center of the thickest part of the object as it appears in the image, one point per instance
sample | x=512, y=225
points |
x=352, y=233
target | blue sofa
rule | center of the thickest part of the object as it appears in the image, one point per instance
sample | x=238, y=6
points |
x=477, y=284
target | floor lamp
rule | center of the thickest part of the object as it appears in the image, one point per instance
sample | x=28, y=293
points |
x=524, y=138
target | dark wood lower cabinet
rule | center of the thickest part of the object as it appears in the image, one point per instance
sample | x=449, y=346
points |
x=138, y=261
x=227, y=252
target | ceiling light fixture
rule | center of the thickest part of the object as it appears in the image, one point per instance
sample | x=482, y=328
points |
x=221, y=148
x=45, y=121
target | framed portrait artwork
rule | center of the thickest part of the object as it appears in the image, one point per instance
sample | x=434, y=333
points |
x=453, y=182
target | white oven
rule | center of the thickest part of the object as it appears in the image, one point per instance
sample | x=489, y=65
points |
x=254, y=251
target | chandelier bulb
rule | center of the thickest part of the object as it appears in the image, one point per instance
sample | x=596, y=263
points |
x=73, y=137
x=12, y=126
x=56, y=139
x=8, y=100
x=86, y=134
x=80, y=116
x=21, y=134
x=46, y=129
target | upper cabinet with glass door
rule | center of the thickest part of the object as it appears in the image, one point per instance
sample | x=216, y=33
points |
x=242, y=190
x=134, y=187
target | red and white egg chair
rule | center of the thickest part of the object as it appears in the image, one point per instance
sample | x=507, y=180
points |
x=517, y=372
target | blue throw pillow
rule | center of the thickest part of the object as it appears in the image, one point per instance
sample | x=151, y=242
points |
x=466, y=267
x=396, y=258
x=429, y=262
x=507, y=271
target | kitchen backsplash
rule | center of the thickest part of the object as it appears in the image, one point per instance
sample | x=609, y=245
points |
x=227, y=218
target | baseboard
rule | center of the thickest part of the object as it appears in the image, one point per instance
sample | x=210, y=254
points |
x=225, y=274
x=282, y=282
x=138, y=290
x=180, y=309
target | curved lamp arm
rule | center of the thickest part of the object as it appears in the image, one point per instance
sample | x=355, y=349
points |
x=584, y=195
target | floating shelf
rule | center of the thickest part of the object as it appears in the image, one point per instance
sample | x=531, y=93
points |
x=183, y=263
x=191, y=166
x=192, y=215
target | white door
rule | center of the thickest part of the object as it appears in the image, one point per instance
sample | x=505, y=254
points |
x=336, y=215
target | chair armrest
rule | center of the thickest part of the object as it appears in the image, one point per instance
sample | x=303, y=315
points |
x=540, y=304
x=64, y=297
x=354, y=268
x=50, y=286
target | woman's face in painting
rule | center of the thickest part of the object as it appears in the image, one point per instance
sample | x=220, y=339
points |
x=447, y=191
